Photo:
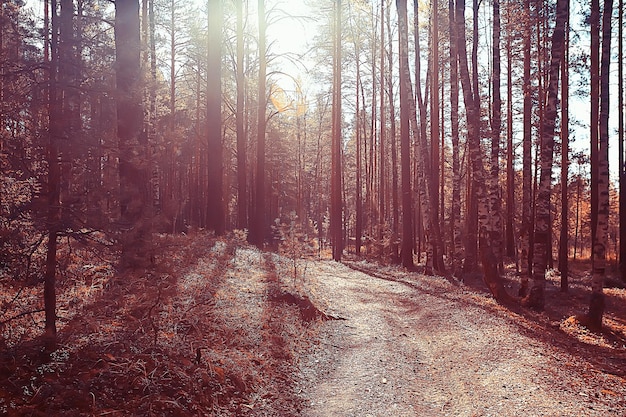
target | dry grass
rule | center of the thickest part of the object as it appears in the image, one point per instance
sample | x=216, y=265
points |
x=197, y=335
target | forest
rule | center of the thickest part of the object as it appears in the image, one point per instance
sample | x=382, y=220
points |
x=145, y=144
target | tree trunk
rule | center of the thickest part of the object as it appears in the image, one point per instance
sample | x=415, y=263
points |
x=155, y=169
x=538, y=114
x=597, y=302
x=69, y=76
x=148, y=85
x=434, y=129
x=473, y=122
x=242, y=189
x=172, y=103
x=169, y=164
x=394, y=146
x=358, y=228
x=620, y=130
x=336, y=198
x=536, y=295
x=564, y=237
x=526, y=227
x=133, y=158
x=442, y=170
x=594, y=115
x=359, y=135
x=496, y=128
x=215, y=214
x=425, y=172
x=479, y=176
x=145, y=24
x=422, y=226
x=510, y=171
x=370, y=156
x=258, y=227
x=2, y=67
x=405, y=158
x=455, y=217
x=471, y=259
x=383, y=126
x=55, y=122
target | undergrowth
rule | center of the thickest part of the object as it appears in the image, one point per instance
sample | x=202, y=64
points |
x=199, y=334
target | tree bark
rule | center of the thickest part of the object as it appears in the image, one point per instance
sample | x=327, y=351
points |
x=472, y=99
x=133, y=162
x=258, y=228
x=55, y=118
x=434, y=129
x=479, y=176
x=359, y=134
x=393, y=144
x=473, y=122
x=148, y=85
x=422, y=226
x=594, y=114
x=216, y=216
x=510, y=171
x=382, y=137
x=424, y=169
x=526, y=227
x=242, y=189
x=564, y=237
x=155, y=182
x=370, y=155
x=336, y=188
x=405, y=160
x=620, y=132
x=358, y=228
x=597, y=302
x=172, y=103
x=496, y=128
x=455, y=217
x=536, y=296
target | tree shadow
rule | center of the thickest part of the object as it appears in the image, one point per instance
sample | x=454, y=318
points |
x=546, y=327
x=135, y=348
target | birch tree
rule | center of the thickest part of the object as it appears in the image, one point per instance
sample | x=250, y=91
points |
x=600, y=238
x=487, y=256
x=536, y=295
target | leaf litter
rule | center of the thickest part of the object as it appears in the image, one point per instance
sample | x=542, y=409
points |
x=220, y=328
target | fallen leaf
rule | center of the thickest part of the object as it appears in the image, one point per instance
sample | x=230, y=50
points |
x=220, y=374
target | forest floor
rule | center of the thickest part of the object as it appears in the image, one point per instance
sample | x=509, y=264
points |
x=220, y=328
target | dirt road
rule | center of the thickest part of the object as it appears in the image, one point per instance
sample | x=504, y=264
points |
x=414, y=345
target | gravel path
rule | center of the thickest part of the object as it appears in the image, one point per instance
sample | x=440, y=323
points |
x=415, y=345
